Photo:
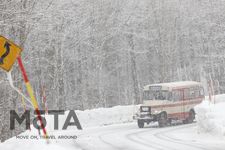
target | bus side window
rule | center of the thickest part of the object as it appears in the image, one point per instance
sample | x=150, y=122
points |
x=175, y=96
x=169, y=96
x=201, y=91
x=186, y=93
x=197, y=93
x=192, y=93
x=181, y=95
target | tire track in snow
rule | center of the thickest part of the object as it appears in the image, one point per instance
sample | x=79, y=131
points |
x=129, y=136
x=151, y=143
x=93, y=132
x=162, y=136
x=135, y=136
x=110, y=144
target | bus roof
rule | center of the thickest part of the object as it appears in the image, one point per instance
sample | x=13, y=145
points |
x=173, y=85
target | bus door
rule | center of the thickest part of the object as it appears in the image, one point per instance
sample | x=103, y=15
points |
x=182, y=107
x=185, y=102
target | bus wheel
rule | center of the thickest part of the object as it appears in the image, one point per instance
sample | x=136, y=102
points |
x=162, y=120
x=140, y=124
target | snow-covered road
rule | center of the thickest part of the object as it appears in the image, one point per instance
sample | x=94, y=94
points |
x=114, y=128
x=129, y=136
x=126, y=136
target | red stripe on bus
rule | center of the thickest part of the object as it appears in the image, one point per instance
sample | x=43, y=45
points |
x=181, y=115
x=179, y=104
x=22, y=69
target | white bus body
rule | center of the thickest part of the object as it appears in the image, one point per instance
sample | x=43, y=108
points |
x=165, y=102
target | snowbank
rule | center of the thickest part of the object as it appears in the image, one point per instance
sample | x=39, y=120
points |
x=219, y=98
x=210, y=117
x=97, y=117
x=106, y=116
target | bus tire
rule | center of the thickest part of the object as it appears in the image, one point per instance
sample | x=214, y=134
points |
x=187, y=120
x=162, y=120
x=140, y=124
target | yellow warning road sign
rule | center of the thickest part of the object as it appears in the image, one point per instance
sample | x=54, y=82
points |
x=8, y=53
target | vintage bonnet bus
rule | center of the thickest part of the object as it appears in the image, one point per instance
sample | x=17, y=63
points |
x=165, y=102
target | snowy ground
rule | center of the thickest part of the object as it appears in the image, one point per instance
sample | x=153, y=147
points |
x=113, y=128
x=211, y=118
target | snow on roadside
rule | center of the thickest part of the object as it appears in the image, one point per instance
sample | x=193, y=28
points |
x=211, y=118
x=106, y=116
x=98, y=117
x=219, y=98
x=87, y=118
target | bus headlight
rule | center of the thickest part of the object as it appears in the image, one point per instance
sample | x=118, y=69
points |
x=135, y=112
x=155, y=111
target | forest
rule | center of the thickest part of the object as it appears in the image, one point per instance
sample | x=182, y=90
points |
x=90, y=54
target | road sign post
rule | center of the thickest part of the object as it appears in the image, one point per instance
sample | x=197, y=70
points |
x=9, y=53
x=31, y=95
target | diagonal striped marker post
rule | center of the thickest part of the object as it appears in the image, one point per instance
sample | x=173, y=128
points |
x=25, y=109
x=31, y=95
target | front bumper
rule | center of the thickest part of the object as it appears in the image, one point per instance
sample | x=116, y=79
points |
x=143, y=116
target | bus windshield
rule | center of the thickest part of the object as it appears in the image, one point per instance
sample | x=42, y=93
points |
x=149, y=95
x=156, y=95
x=161, y=95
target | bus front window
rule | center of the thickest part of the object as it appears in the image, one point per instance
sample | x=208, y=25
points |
x=149, y=95
x=161, y=95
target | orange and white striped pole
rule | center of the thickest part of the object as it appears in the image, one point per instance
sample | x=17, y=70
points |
x=43, y=106
x=31, y=95
x=25, y=109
